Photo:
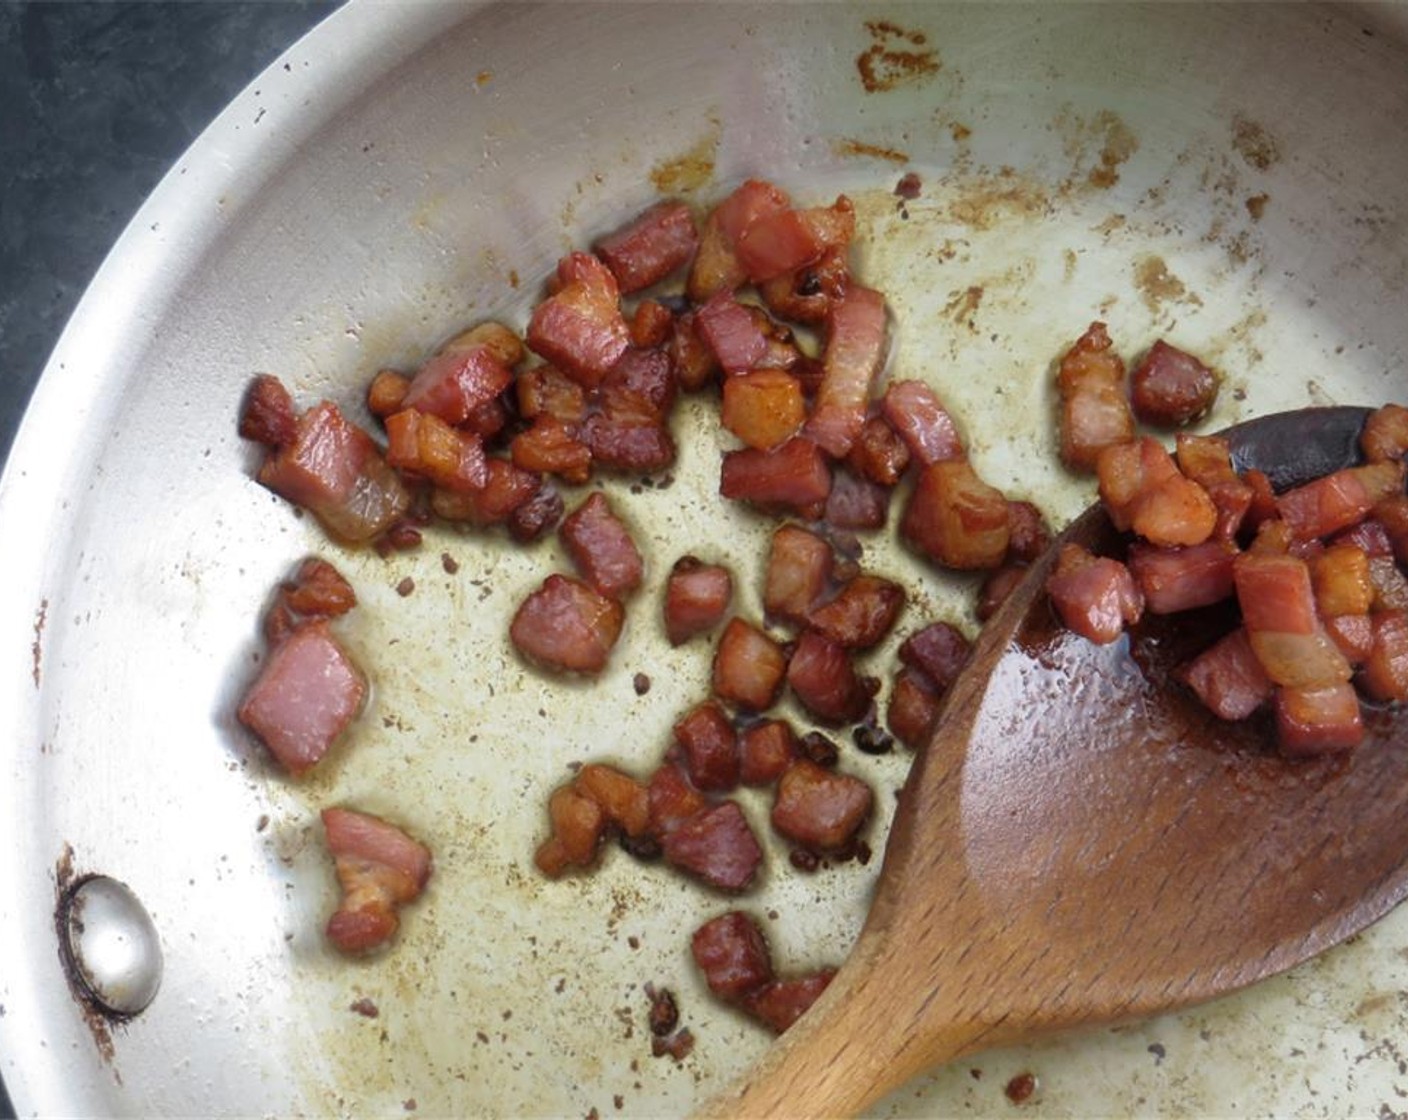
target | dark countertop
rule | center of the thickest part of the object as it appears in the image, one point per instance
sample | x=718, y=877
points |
x=97, y=101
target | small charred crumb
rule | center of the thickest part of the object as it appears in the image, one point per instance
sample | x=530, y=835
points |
x=594, y=1114
x=909, y=186
x=633, y=941
x=641, y=683
x=1021, y=1087
x=449, y=563
x=409, y=1104
x=405, y=587
x=975, y=1073
x=808, y=284
x=365, y=1008
x=642, y=847
x=664, y=484
x=482, y=1037
x=1157, y=1049
x=1256, y=206
x=403, y=537
x=619, y=1101
x=534, y=518
x=678, y=1046
x=664, y=1012
x=857, y=850
x=872, y=740
x=818, y=748
x=262, y=823
x=804, y=860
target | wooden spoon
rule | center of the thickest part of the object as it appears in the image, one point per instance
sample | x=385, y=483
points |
x=1083, y=843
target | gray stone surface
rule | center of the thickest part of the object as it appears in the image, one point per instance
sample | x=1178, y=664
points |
x=97, y=101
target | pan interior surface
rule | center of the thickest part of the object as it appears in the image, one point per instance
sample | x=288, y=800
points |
x=1231, y=178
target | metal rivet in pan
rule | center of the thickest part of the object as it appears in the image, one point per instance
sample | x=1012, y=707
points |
x=111, y=944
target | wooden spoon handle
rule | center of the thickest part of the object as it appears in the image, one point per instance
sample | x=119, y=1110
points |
x=854, y=1046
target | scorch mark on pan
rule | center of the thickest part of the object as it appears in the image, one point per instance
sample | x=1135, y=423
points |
x=1159, y=286
x=693, y=169
x=1255, y=145
x=37, y=648
x=895, y=57
x=1097, y=146
x=847, y=147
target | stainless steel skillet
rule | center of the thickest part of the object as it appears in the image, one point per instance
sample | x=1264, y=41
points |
x=1231, y=177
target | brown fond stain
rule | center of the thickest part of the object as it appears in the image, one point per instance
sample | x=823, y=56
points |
x=1119, y=144
x=962, y=307
x=1373, y=1004
x=1112, y=224
x=691, y=170
x=1098, y=146
x=1254, y=144
x=895, y=57
x=990, y=199
x=1256, y=206
x=1158, y=285
x=37, y=648
x=848, y=147
x=1069, y=256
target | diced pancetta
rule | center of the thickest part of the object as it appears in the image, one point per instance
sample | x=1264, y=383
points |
x=334, y=469
x=601, y=548
x=855, y=352
x=1094, y=595
x=697, y=596
x=651, y=247
x=306, y=696
x=580, y=328
x=749, y=667
x=568, y=626
x=380, y=869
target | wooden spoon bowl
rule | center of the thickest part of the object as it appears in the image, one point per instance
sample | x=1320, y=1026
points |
x=1083, y=843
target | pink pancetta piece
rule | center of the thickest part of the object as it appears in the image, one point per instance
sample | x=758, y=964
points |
x=308, y=693
x=334, y=470
x=568, y=626
x=380, y=869
x=456, y=382
x=648, y=249
x=855, y=351
x=602, y=549
x=731, y=332
x=580, y=329
x=914, y=411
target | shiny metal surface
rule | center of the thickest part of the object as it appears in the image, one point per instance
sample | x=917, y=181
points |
x=111, y=944
x=1231, y=177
